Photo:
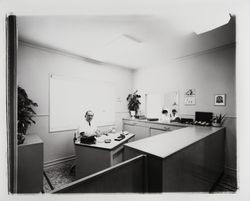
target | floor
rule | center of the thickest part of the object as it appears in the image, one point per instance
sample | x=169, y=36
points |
x=61, y=174
x=58, y=176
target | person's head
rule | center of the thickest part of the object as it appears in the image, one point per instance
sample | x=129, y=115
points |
x=174, y=111
x=89, y=116
x=164, y=111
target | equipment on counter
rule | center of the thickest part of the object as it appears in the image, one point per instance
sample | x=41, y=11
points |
x=152, y=119
x=88, y=140
x=203, y=118
x=187, y=121
x=107, y=140
x=120, y=137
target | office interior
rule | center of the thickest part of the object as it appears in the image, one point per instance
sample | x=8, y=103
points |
x=148, y=54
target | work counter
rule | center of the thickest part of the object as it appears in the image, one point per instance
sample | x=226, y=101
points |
x=159, y=122
x=165, y=144
x=185, y=159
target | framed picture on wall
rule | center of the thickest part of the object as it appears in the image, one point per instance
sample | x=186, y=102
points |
x=220, y=99
x=189, y=97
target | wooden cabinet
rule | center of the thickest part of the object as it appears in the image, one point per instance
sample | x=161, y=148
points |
x=154, y=131
x=159, y=129
x=139, y=131
x=143, y=129
x=30, y=165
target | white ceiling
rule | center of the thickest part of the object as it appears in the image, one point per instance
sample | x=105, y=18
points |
x=132, y=41
x=123, y=40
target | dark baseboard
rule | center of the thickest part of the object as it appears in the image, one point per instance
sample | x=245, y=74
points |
x=58, y=161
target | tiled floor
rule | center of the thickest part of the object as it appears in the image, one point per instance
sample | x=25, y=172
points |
x=60, y=175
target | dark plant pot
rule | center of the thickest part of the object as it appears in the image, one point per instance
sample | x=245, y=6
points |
x=216, y=124
x=20, y=138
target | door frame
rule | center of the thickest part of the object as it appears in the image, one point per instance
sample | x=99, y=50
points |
x=11, y=100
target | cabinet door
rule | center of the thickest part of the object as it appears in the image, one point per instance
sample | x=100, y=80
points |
x=139, y=131
x=163, y=129
x=154, y=131
x=129, y=127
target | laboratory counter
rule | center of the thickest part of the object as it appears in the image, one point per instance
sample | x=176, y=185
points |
x=188, y=159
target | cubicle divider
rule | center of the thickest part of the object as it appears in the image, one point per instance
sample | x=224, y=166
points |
x=128, y=176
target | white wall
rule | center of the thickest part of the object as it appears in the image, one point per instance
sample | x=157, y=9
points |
x=212, y=72
x=34, y=67
x=209, y=74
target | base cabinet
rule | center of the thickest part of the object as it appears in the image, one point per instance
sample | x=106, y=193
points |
x=143, y=129
x=194, y=168
x=154, y=131
x=139, y=131
x=30, y=165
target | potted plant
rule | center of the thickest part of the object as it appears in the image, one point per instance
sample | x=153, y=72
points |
x=25, y=114
x=133, y=103
x=218, y=120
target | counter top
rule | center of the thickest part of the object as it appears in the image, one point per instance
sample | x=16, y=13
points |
x=31, y=139
x=157, y=122
x=165, y=144
x=102, y=145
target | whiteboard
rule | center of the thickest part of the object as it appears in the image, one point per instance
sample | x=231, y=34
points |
x=70, y=98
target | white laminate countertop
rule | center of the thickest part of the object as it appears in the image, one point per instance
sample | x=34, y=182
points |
x=165, y=144
x=102, y=145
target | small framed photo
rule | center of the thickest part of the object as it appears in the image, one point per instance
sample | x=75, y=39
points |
x=220, y=99
x=189, y=97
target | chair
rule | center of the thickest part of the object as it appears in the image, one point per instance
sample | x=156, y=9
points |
x=73, y=166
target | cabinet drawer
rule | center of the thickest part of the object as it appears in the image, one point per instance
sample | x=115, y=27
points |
x=135, y=123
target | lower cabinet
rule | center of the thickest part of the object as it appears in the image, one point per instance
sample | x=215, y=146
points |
x=30, y=165
x=154, y=131
x=139, y=131
x=146, y=129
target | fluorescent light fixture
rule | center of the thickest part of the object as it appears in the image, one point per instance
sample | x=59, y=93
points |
x=132, y=38
x=211, y=22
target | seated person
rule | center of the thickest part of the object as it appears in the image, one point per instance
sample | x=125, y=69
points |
x=174, y=117
x=87, y=127
x=165, y=117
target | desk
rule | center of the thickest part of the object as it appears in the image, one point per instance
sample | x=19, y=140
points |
x=91, y=158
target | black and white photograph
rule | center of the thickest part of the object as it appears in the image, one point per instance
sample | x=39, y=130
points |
x=190, y=97
x=220, y=99
x=123, y=99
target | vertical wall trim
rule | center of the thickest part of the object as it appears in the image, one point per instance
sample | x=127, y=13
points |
x=11, y=101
